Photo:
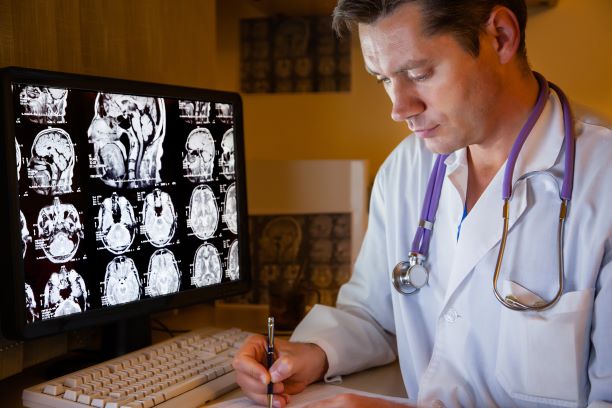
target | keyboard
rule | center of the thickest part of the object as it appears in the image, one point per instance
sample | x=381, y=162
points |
x=185, y=371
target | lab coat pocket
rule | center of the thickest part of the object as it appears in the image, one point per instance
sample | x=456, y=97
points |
x=542, y=356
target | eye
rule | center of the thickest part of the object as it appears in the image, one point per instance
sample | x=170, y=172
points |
x=419, y=76
x=383, y=80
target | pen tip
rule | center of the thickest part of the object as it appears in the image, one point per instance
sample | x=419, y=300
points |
x=270, y=400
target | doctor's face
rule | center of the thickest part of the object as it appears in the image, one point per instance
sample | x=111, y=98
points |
x=444, y=94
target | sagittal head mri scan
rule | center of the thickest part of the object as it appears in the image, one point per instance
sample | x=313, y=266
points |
x=121, y=282
x=127, y=133
x=117, y=224
x=199, y=155
x=51, y=162
x=60, y=231
x=159, y=218
x=164, y=274
x=203, y=212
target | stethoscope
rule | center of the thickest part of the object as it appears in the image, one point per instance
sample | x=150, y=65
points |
x=410, y=276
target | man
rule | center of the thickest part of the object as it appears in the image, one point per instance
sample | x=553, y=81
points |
x=457, y=73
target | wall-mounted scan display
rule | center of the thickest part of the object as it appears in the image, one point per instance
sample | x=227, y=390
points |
x=126, y=194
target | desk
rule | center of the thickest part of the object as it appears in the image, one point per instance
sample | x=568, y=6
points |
x=386, y=380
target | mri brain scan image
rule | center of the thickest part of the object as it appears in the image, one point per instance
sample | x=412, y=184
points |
x=227, y=154
x=206, y=266
x=194, y=112
x=43, y=105
x=18, y=159
x=203, y=212
x=159, y=218
x=233, y=270
x=60, y=229
x=121, y=282
x=127, y=134
x=164, y=274
x=25, y=234
x=51, y=164
x=31, y=305
x=199, y=155
x=230, y=215
x=117, y=224
x=65, y=293
x=225, y=112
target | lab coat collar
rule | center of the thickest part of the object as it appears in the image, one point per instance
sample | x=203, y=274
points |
x=482, y=228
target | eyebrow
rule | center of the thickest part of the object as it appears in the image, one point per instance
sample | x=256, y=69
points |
x=408, y=65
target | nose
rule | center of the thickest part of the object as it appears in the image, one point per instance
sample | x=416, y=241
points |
x=406, y=101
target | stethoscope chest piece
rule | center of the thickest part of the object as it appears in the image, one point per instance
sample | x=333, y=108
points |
x=410, y=276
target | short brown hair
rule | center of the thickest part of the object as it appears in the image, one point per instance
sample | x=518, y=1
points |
x=465, y=19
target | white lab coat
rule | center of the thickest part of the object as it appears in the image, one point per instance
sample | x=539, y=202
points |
x=457, y=345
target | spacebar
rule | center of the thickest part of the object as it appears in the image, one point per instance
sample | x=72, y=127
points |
x=196, y=397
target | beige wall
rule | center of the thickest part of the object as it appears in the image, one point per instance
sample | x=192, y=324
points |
x=150, y=40
x=571, y=44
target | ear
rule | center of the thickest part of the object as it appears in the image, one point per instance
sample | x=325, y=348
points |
x=502, y=29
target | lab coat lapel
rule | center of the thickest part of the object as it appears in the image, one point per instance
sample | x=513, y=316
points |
x=482, y=229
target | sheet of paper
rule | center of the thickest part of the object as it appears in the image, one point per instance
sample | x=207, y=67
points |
x=313, y=393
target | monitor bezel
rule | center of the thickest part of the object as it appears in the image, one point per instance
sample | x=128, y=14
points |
x=13, y=312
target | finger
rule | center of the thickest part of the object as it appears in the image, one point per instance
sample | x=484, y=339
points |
x=247, y=382
x=278, y=400
x=282, y=369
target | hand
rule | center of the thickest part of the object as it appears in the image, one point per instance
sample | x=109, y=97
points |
x=296, y=366
x=353, y=401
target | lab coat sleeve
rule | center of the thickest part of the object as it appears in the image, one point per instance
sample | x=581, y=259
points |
x=359, y=332
x=600, y=364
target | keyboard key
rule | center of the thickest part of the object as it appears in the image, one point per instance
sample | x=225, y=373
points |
x=53, y=389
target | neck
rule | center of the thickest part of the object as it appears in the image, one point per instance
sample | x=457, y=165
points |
x=515, y=100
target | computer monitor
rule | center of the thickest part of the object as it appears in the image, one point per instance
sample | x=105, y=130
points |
x=119, y=199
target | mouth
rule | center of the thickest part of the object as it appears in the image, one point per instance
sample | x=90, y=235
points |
x=425, y=133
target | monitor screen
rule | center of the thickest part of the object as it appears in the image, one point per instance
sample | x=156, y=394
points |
x=121, y=198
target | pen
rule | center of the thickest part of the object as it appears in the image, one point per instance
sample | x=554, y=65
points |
x=270, y=355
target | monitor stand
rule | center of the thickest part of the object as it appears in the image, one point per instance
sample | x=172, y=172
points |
x=125, y=335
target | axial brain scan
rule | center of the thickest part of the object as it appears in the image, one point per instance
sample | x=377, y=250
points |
x=31, y=305
x=117, y=223
x=121, y=282
x=51, y=165
x=65, y=293
x=199, y=155
x=60, y=229
x=203, y=212
x=233, y=270
x=230, y=215
x=18, y=159
x=227, y=155
x=206, y=266
x=159, y=218
x=164, y=274
x=127, y=134
x=25, y=234
x=43, y=105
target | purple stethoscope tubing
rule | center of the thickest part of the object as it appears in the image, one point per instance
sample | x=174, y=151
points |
x=422, y=238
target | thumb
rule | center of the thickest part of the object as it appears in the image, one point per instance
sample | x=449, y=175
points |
x=281, y=369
